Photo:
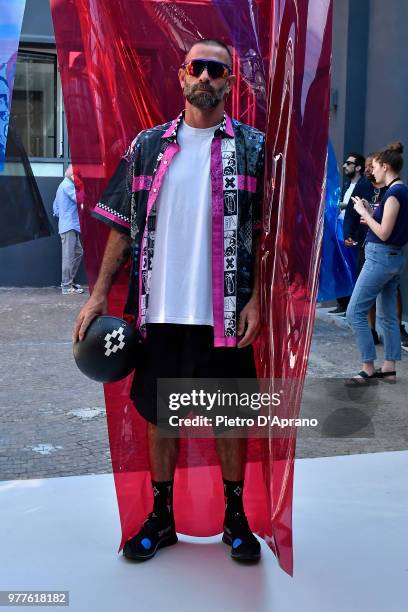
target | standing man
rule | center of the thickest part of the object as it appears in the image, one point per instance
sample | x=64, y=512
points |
x=366, y=188
x=185, y=203
x=353, y=169
x=65, y=208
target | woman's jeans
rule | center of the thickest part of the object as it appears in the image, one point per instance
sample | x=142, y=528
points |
x=378, y=278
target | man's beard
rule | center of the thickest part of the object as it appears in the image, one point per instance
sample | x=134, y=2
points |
x=210, y=98
x=351, y=174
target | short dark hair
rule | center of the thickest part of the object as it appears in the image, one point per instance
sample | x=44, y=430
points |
x=373, y=155
x=209, y=42
x=360, y=160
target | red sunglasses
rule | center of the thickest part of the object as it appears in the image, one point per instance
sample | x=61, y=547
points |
x=216, y=70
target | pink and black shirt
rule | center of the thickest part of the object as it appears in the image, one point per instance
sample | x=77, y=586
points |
x=129, y=205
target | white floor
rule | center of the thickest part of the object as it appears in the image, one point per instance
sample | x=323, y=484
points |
x=350, y=533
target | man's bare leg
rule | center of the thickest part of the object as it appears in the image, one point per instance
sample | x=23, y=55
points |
x=163, y=453
x=232, y=454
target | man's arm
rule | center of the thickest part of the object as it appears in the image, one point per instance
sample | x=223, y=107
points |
x=351, y=223
x=55, y=205
x=70, y=191
x=116, y=253
x=257, y=250
x=250, y=317
x=250, y=314
x=353, y=229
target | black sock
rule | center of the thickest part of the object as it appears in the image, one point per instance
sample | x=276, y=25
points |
x=233, y=490
x=163, y=498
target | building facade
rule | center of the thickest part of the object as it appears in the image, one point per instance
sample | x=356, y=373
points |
x=369, y=98
x=38, y=114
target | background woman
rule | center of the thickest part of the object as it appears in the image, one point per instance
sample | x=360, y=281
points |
x=387, y=234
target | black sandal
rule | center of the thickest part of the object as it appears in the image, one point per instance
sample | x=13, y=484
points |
x=384, y=376
x=366, y=379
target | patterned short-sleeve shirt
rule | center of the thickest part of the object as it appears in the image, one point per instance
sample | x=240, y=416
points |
x=129, y=205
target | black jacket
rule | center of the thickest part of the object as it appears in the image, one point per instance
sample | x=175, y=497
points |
x=352, y=228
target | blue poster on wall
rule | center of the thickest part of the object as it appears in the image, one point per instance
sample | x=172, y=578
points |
x=338, y=262
x=11, y=18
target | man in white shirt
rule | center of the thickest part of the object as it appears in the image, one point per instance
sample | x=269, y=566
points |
x=198, y=287
x=65, y=208
x=353, y=169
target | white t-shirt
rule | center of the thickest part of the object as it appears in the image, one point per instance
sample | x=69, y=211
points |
x=349, y=193
x=346, y=197
x=181, y=280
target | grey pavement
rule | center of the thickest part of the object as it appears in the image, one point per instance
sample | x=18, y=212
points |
x=356, y=421
x=52, y=418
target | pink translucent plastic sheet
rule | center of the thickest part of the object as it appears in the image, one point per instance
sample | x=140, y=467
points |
x=118, y=63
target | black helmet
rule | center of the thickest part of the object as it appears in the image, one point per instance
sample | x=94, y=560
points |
x=108, y=351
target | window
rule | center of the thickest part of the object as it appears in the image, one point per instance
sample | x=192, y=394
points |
x=34, y=105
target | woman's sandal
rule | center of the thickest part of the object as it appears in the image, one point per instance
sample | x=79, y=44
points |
x=364, y=380
x=386, y=376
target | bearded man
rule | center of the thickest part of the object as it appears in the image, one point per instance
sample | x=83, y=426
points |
x=185, y=203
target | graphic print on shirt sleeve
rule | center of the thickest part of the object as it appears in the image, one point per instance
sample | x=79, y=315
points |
x=230, y=188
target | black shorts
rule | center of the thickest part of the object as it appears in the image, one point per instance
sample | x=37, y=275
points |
x=176, y=351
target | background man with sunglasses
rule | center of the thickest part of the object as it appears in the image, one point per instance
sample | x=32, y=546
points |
x=355, y=183
x=185, y=202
